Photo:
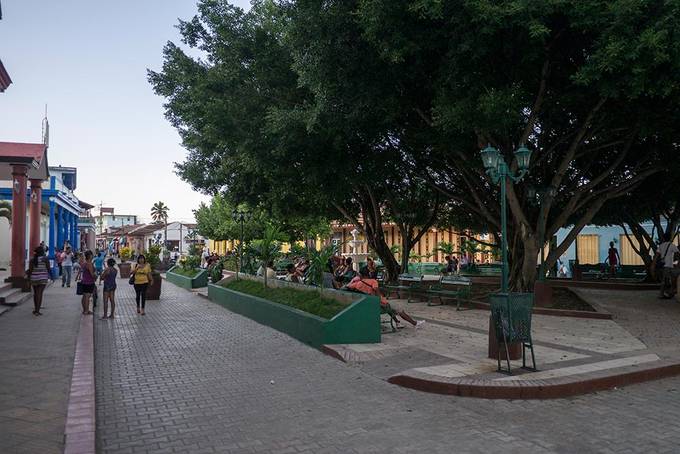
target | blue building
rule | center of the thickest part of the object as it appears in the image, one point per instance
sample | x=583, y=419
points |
x=60, y=213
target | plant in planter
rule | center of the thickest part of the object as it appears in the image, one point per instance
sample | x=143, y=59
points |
x=124, y=266
x=267, y=248
x=153, y=259
x=318, y=263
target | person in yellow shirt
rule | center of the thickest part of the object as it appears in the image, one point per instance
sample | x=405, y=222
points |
x=143, y=278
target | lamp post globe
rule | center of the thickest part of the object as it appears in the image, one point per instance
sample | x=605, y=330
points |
x=490, y=158
x=523, y=156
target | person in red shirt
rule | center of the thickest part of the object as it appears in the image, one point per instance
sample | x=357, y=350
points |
x=364, y=284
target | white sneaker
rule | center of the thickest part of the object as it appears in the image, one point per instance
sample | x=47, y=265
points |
x=419, y=323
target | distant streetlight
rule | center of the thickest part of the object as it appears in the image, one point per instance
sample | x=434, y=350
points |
x=499, y=172
x=240, y=216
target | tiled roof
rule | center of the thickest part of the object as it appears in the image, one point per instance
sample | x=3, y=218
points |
x=22, y=150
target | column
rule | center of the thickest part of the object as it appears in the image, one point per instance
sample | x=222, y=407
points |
x=59, y=227
x=52, y=243
x=19, y=179
x=67, y=227
x=74, y=232
x=35, y=214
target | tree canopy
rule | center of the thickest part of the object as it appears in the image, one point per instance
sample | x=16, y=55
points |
x=364, y=108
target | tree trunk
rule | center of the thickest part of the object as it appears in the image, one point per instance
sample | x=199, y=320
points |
x=406, y=247
x=527, y=277
x=391, y=266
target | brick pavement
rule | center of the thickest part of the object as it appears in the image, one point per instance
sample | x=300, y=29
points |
x=36, y=361
x=192, y=377
x=654, y=321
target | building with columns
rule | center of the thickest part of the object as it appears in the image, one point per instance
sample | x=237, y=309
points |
x=53, y=214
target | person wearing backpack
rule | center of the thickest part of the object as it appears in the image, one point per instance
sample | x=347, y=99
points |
x=665, y=254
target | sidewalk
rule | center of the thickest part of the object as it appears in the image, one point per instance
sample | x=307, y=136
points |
x=574, y=355
x=36, y=362
x=193, y=377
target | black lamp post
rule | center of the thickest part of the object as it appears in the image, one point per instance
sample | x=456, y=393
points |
x=240, y=216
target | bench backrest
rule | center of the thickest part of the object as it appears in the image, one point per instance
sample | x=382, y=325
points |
x=456, y=280
x=411, y=277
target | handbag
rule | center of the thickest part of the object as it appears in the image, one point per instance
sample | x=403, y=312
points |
x=131, y=281
x=79, y=288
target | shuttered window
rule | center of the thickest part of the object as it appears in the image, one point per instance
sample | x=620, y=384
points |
x=588, y=249
x=627, y=253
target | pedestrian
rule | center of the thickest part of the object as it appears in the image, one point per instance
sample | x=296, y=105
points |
x=142, y=279
x=613, y=259
x=99, y=263
x=88, y=282
x=38, y=273
x=109, y=277
x=59, y=257
x=665, y=257
x=67, y=265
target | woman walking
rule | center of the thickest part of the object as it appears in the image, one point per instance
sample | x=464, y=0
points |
x=38, y=273
x=109, y=278
x=142, y=280
x=87, y=281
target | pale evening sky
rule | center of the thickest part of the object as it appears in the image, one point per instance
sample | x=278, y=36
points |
x=87, y=61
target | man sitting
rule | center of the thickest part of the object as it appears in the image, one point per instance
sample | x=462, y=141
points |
x=364, y=284
x=292, y=275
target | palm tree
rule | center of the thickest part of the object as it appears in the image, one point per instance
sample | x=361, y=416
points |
x=6, y=210
x=159, y=213
x=268, y=248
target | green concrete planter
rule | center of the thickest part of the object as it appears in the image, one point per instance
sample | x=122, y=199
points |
x=359, y=323
x=200, y=280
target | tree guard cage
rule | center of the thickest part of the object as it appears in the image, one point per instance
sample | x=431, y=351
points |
x=511, y=313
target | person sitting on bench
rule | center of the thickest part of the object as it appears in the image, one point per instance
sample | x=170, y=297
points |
x=364, y=284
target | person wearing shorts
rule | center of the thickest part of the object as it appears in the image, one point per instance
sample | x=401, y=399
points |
x=87, y=281
x=109, y=277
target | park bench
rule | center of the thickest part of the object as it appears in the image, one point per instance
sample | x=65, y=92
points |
x=511, y=315
x=450, y=287
x=412, y=284
x=383, y=311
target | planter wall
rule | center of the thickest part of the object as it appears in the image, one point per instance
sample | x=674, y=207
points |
x=359, y=323
x=125, y=268
x=153, y=292
x=201, y=279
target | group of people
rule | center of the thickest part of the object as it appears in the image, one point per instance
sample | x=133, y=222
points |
x=85, y=269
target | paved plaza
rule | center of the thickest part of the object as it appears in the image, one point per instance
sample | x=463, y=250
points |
x=193, y=377
x=454, y=344
x=36, y=362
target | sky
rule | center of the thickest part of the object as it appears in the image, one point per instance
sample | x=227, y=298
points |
x=87, y=61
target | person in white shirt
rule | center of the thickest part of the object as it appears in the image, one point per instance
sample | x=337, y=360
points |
x=666, y=251
x=204, y=258
x=271, y=274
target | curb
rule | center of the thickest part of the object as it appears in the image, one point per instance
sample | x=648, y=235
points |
x=79, y=434
x=535, y=389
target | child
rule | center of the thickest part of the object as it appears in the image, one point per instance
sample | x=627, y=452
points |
x=109, y=278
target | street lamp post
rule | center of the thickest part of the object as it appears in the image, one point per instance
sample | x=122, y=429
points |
x=499, y=172
x=240, y=216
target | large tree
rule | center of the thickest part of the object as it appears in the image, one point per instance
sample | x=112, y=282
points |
x=583, y=84
x=253, y=131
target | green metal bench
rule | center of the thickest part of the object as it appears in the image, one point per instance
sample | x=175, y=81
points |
x=511, y=314
x=415, y=284
x=458, y=288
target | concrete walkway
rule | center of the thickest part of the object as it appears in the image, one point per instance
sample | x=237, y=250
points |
x=36, y=361
x=192, y=377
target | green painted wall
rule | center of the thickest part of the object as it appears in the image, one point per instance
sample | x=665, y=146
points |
x=359, y=323
x=201, y=280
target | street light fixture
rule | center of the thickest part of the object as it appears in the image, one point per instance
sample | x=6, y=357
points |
x=499, y=172
x=240, y=216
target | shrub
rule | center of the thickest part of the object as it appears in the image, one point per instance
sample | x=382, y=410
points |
x=125, y=253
